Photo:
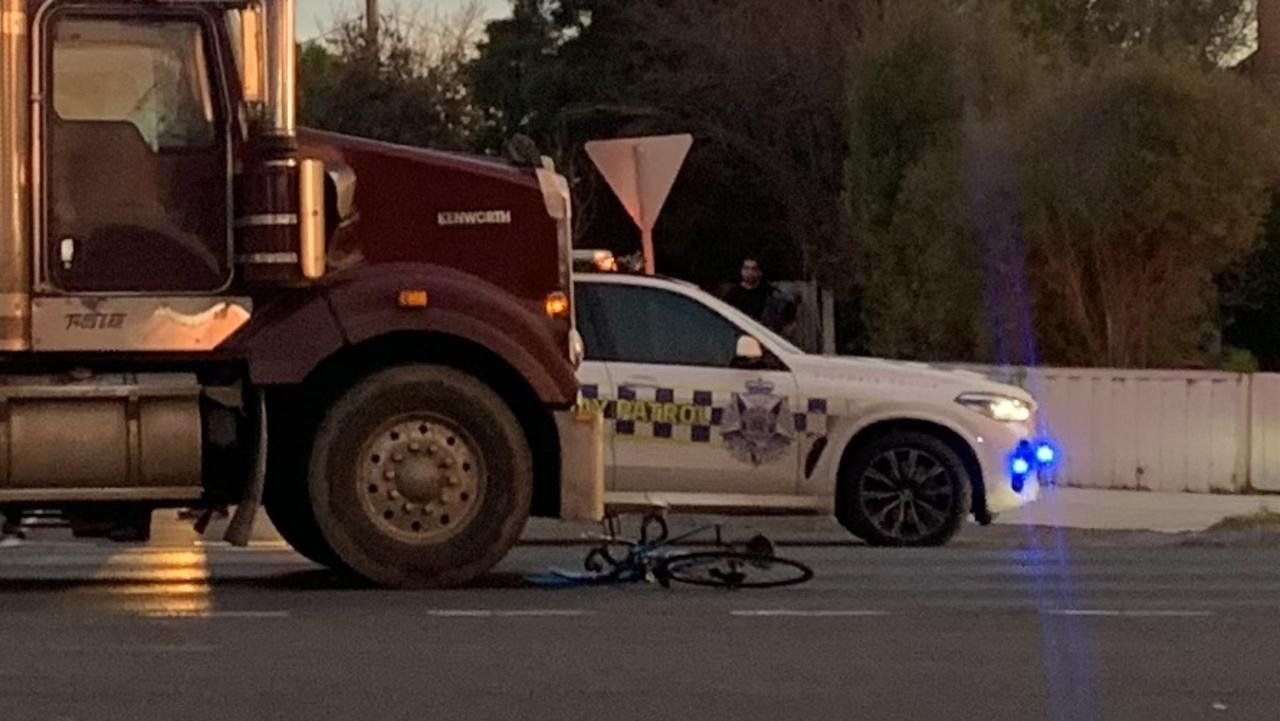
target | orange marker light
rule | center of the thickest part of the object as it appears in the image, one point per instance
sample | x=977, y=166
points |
x=412, y=299
x=557, y=305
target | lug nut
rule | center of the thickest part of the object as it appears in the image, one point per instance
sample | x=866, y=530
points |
x=415, y=446
x=397, y=457
x=410, y=507
x=393, y=494
x=390, y=475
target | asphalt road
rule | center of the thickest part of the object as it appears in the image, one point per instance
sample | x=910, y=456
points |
x=1049, y=628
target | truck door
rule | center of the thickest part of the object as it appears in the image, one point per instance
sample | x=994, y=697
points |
x=136, y=153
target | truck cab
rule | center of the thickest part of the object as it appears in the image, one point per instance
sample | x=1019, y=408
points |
x=202, y=304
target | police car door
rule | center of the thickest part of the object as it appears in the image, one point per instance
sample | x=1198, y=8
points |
x=595, y=388
x=685, y=418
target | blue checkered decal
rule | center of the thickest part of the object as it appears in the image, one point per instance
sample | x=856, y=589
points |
x=686, y=416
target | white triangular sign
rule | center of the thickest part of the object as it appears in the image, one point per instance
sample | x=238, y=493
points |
x=641, y=171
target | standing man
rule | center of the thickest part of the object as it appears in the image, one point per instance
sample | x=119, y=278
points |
x=753, y=293
x=759, y=299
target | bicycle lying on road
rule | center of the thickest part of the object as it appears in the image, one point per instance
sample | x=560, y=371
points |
x=652, y=558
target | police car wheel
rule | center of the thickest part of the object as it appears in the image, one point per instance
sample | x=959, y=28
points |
x=421, y=476
x=904, y=489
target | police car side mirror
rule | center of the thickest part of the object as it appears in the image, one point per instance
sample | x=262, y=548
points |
x=749, y=349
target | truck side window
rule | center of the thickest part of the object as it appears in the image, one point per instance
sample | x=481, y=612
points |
x=635, y=324
x=151, y=74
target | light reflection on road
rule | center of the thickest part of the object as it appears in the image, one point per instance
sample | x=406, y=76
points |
x=173, y=584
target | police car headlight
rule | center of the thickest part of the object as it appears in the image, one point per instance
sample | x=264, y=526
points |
x=997, y=407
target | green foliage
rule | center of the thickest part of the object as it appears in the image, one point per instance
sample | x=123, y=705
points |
x=552, y=62
x=924, y=288
x=1166, y=184
x=1252, y=297
x=1054, y=212
x=402, y=90
x=758, y=85
x=1207, y=32
x=1239, y=360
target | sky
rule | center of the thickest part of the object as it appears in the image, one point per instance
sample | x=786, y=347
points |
x=314, y=16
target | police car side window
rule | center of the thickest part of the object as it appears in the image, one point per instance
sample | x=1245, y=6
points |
x=636, y=324
x=586, y=303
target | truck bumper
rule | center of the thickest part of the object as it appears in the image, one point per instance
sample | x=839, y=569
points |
x=581, y=466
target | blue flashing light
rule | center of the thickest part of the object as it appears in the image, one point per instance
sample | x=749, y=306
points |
x=1045, y=454
x=1020, y=466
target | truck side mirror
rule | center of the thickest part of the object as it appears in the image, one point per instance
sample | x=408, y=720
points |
x=749, y=349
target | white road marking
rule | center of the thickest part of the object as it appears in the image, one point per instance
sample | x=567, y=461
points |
x=137, y=648
x=821, y=613
x=162, y=615
x=253, y=546
x=1128, y=614
x=519, y=613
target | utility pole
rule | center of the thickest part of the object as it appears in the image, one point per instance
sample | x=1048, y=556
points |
x=371, y=25
x=1268, y=57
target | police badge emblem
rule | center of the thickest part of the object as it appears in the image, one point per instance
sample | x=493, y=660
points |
x=758, y=426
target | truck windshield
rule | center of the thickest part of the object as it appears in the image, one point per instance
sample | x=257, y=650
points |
x=149, y=74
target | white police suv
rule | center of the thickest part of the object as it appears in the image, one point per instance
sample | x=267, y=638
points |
x=705, y=409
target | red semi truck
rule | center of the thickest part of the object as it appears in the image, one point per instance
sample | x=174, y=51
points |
x=201, y=304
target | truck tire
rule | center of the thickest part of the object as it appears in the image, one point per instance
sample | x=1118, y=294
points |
x=904, y=489
x=420, y=476
x=288, y=505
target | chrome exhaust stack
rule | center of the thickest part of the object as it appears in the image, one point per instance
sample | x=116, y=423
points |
x=281, y=118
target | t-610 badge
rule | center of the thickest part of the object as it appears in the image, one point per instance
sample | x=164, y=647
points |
x=758, y=426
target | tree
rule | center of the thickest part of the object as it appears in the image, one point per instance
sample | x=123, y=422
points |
x=1139, y=182
x=410, y=87
x=930, y=233
x=1207, y=32
x=561, y=72
x=550, y=60
x=568, y=71
x=1016, y=211
x=759, y=81
x=923, y=285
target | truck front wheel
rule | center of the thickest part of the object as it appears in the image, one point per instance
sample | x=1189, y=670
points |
x=420, y=476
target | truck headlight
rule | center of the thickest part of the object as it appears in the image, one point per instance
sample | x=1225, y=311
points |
x=1006, y=409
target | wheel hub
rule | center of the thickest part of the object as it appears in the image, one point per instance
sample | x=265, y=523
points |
x=422, y=478
x=418, y=479
x=906, y=494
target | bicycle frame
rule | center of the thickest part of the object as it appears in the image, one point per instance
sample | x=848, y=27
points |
x=648, y=558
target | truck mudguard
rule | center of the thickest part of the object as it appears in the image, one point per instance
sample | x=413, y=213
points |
x=290, y=337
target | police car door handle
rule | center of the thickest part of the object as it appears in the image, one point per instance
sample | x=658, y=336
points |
x=641, y=382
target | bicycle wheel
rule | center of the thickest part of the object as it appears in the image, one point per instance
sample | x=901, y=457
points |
x=730, y=569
